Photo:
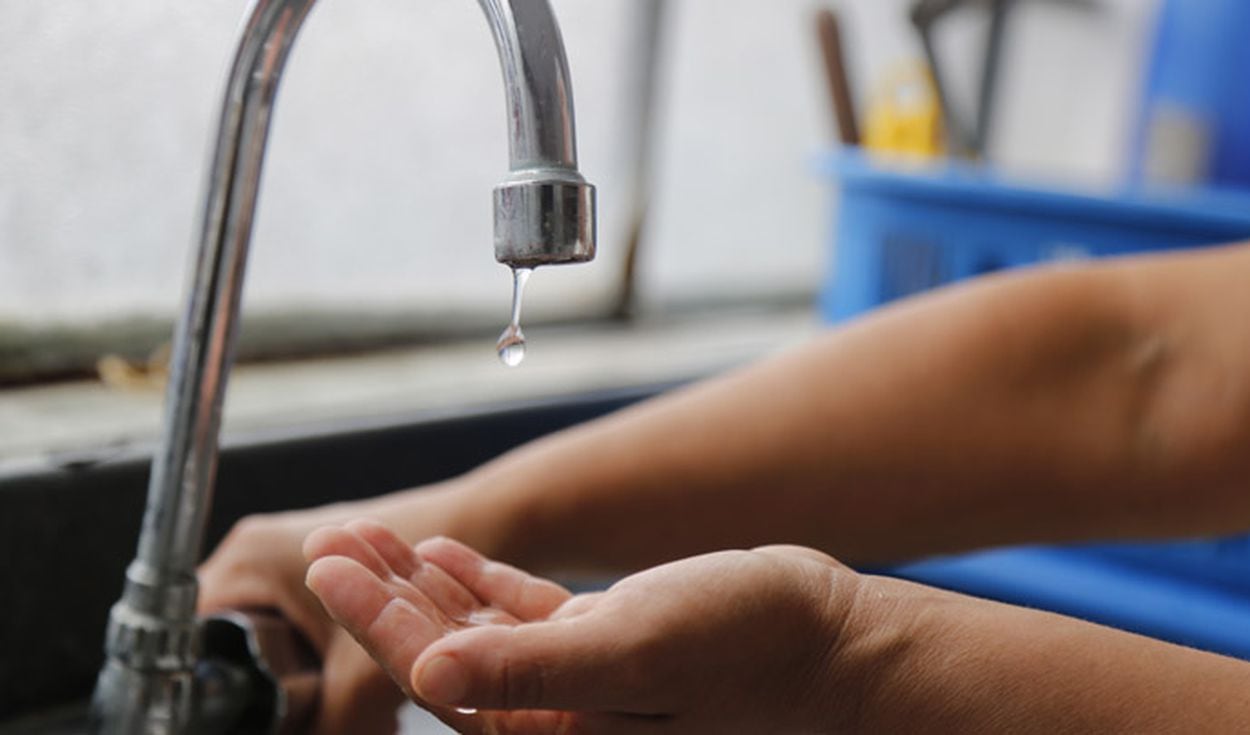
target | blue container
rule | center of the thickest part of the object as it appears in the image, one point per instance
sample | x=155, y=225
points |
x=903, y=229
x=900, y=231
x=1194, y=122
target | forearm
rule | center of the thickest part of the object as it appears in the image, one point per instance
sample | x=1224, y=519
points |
x=959, y=664
x=1049, y=406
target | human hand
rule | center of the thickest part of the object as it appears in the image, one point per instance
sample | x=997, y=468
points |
x=738, y=641
x=260, y=564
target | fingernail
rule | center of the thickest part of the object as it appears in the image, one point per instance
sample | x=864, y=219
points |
x=443, y=680
x=311, y=578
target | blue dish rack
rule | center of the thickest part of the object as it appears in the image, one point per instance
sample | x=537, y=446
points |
x=905, y=229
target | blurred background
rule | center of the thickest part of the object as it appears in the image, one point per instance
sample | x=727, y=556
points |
x=389, y=136
x=765, y=169
x=704, y=124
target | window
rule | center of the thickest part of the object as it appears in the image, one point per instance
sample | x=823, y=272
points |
x=374, y=220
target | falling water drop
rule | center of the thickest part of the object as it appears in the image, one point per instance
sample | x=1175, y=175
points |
x=511, y=345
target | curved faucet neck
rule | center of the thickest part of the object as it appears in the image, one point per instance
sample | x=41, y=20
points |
x=536, y=83
x=544, y=214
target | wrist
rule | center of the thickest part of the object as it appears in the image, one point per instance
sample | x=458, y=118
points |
x=469, y=508
x=873, y=632
x=494, y=513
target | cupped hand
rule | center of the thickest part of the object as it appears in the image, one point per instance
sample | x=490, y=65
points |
x=260, y=564
x=738, y=641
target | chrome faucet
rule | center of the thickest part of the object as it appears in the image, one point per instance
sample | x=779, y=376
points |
x=157, y=678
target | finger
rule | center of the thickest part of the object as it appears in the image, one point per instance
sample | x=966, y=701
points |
x=544, y=722
x=525, y=596
x=338, y=541
x=788, y=552
x=391, y=584
x=576, y=664
x=388, y=624
x=356, y=695
x=223, y=591
x=397, y=554
x=445, y=592
x=454, y=599
x=576, y=605
x=391, y=631
x=612, y=724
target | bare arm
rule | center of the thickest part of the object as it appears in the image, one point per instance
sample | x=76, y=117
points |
x=960, y=664
x=777, y=639
x=1103, y=400
x=1107, y=400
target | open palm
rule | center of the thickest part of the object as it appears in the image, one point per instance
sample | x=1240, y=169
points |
x=398, y=600
x=736, y=641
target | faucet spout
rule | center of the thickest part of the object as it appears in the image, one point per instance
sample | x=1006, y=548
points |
x=544, y=215
x=544, y=210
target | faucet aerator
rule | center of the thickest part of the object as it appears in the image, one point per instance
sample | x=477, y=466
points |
x=544, y=219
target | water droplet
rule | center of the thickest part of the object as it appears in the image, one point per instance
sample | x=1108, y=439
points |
x=466, y=710
x=511, y=345
x=484, y=616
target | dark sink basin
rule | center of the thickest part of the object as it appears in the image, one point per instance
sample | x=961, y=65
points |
x=66, y=534
x=63, y=720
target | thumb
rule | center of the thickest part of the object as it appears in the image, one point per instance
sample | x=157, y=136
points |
x=570, y=664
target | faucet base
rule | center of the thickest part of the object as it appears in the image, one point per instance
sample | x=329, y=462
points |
x=252, y=674
x=130, y=701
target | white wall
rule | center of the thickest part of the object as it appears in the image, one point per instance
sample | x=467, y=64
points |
x=389, y=136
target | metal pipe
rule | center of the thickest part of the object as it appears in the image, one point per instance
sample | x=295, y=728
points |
x=544, y=214
x=649, y=39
